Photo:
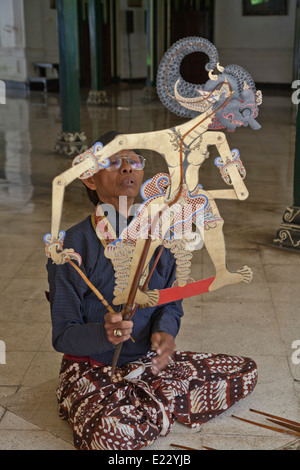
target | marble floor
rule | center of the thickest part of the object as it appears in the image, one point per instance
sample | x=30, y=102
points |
x=260, y=320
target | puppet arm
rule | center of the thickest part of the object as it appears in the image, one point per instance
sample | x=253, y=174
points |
x=159, y=141
x=54, y=240
x=234, y=176
x=85, y=165
x=222, y=193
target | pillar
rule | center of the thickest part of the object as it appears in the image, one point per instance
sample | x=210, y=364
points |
x=71, y=141
x=288, y=234
x=97, y=94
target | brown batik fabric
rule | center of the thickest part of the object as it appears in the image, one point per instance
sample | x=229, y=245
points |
x=135, y=407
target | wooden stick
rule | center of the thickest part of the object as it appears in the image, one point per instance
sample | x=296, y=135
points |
x=94, y=289
x=129, y=307
x=130, y=302
x=267, y=427
x=136, y=281
x=183, y=447
x=275, y=417
x=153, y=268
x=88, y=282
x=285, y=425
x=149, y=277
x=191, y=448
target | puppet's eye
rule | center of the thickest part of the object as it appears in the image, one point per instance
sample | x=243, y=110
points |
x=246, y=112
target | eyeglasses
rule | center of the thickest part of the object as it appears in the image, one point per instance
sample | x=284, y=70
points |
x=137, y=162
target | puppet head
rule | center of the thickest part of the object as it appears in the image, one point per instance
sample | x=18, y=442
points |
x=229, y=95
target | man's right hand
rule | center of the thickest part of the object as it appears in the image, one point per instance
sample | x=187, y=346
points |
x=115, y=325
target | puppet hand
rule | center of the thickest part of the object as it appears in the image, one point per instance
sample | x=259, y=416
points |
x=117, y=329
x=146, y=299
x=164, y=345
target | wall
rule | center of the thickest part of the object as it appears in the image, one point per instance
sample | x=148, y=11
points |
x=41, y=33
x=133, y=49
x=12, y=41
x=263, y=45
x=27, y=34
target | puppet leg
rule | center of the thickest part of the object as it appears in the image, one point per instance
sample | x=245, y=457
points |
x=215, y=245
x=148, y=298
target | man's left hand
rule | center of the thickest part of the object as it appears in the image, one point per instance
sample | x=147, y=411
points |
x=164, y=346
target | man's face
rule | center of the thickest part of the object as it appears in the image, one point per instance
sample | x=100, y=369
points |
x=125, y=181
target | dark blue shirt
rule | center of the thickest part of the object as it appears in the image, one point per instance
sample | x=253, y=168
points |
x=78, y=315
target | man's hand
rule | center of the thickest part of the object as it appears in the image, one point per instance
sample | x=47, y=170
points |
x=164, y=345
x=114, y=324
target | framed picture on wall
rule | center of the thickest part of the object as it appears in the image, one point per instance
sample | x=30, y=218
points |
x=265, y=7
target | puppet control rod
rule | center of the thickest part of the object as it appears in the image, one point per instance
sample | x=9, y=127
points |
x=129, y=308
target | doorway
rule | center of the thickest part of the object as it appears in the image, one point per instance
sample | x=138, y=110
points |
x=192, y=18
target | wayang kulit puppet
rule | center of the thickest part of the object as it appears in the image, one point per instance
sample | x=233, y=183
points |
x=177, y=213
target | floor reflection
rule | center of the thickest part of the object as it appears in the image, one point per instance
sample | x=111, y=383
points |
x=16, y=187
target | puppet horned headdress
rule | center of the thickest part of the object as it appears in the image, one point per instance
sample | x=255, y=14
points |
x=231, y=85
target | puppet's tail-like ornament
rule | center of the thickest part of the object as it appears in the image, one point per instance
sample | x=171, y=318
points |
x=169, y=73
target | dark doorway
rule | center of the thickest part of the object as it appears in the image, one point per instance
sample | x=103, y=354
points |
x=192, y=18
x=84, y=44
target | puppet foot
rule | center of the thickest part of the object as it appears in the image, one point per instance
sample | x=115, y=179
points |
x=225, y=278
x=146, y=299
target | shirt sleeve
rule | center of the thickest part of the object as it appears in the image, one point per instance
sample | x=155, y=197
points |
x=71, y=334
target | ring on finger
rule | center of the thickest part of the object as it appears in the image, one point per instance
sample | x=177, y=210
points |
x=118, y=332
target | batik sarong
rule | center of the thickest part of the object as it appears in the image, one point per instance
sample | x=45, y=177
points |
x=135, y=407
